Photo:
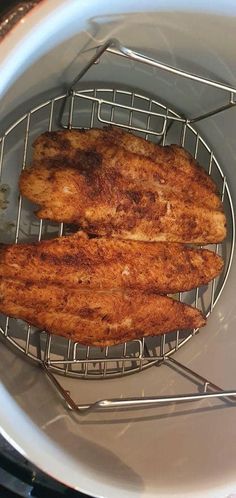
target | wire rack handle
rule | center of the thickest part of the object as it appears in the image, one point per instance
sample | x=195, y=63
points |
x=115, y=47
x=208, y=390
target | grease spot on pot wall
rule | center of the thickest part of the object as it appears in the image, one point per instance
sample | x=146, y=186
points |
x=4, y=193
x=5, y=226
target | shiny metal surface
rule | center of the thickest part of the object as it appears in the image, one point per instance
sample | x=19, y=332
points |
x=207, y=390
x=116, y=48
x=86, y=107
x=153, y=120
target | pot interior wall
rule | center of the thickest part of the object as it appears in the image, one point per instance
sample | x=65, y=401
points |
x=168, y=448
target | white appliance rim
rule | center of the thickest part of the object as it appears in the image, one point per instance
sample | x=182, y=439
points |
x=55, y=462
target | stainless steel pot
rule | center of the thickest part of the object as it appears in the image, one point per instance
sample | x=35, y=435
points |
x=173, y=449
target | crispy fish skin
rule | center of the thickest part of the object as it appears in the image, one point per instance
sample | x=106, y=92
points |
x=135, y=158
x=95, y=318
x=104, y=263
x=103, y=202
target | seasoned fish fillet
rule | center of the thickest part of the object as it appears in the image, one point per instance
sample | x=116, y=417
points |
x=173, y=156
x=99, y=318
x=100, y=200
x=108, y=263
x=135, y=159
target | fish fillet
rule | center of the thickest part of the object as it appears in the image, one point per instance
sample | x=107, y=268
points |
x=100, y=200
x=172, y=156
x=135, y=158
x=99, y=318
x=108, y=263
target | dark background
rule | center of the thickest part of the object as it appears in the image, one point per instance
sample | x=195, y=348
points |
x=6, y=5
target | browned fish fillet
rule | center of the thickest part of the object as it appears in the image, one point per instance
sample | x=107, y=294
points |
x=99, y=199
x=95, y=318
x=173, y=156
x=135, y=159
x=108, y=263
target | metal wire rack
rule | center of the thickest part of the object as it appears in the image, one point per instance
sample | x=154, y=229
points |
x=151, y=119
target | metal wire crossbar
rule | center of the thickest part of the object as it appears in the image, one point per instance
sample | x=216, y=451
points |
x=151, y=119
x=207, y=389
